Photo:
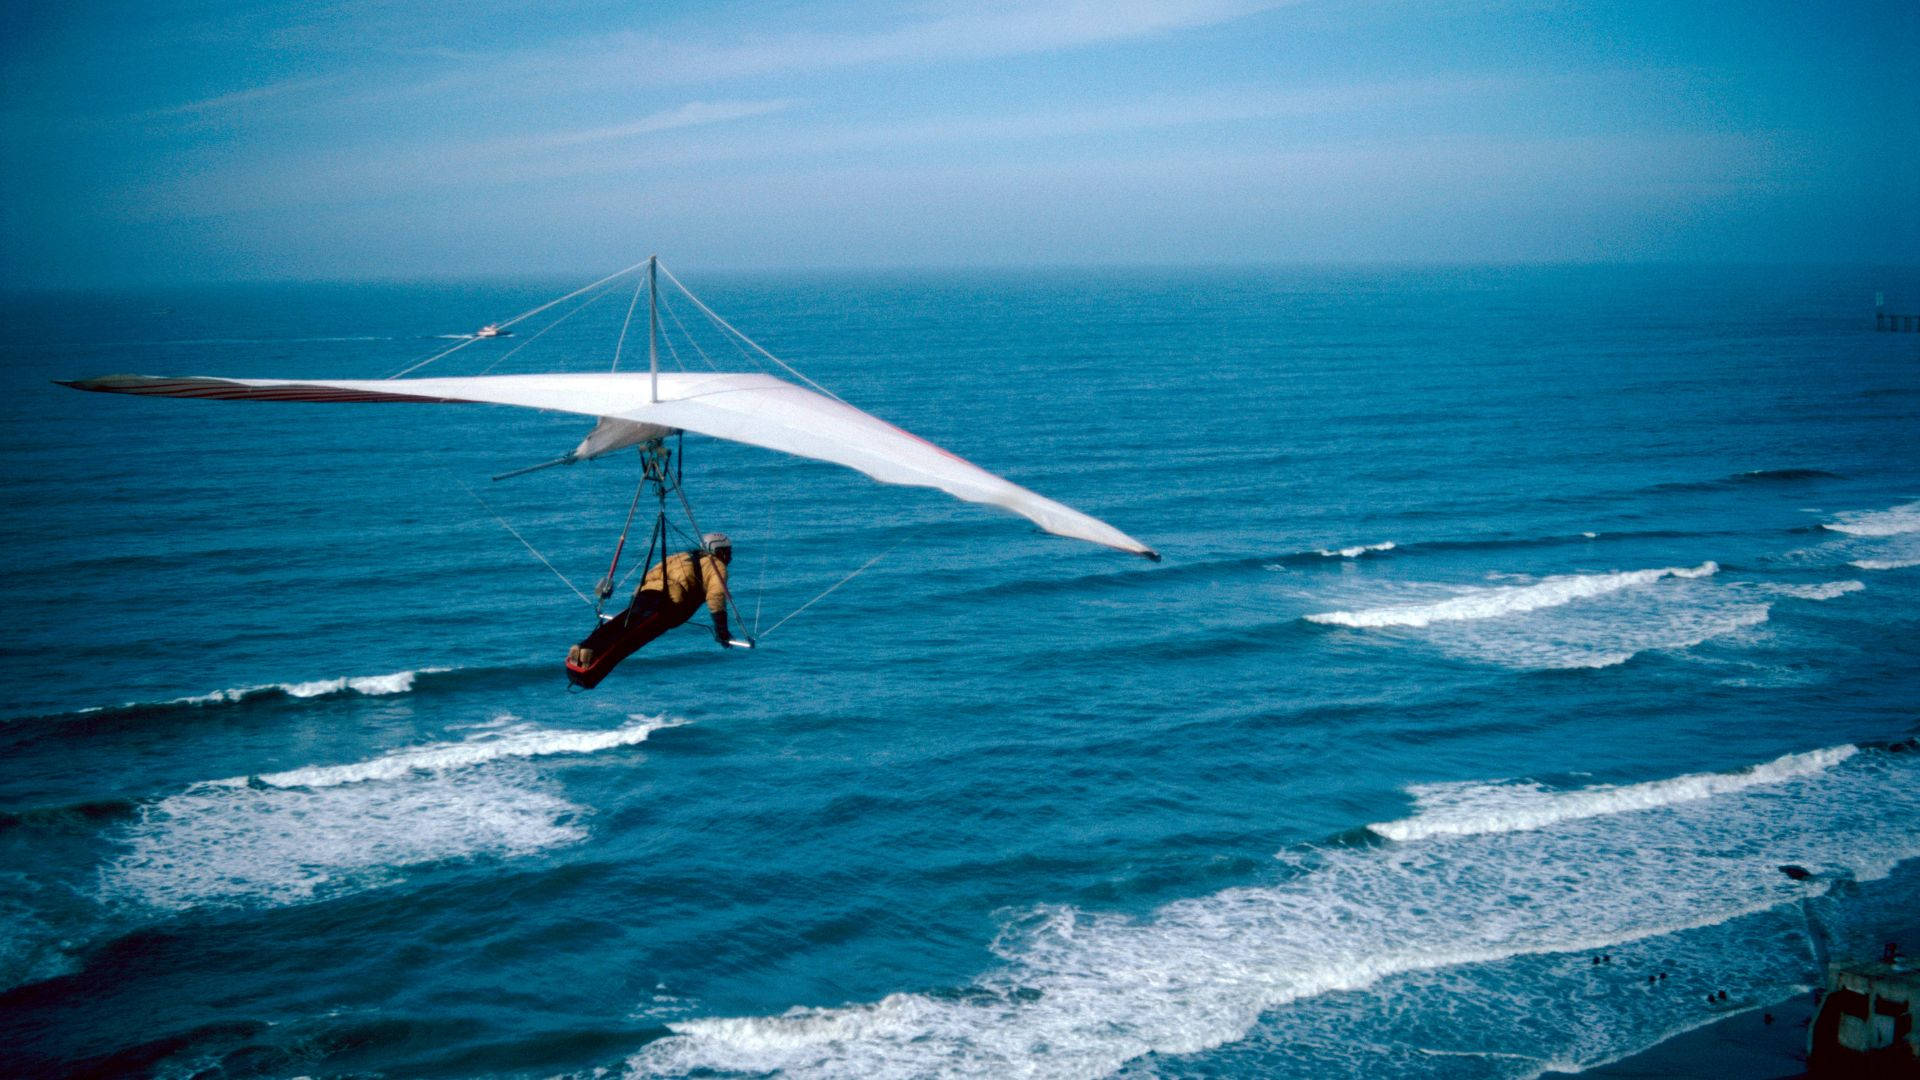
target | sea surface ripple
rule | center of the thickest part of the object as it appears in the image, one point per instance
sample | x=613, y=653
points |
x=1509, y=617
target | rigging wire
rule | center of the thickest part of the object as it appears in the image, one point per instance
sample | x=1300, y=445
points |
x=523, y=315
x=535, y=336
x=701, y=543
x=788, y=368
x=734, y=337
x=760, y=585
x=638, y=286
x=691, y=340
x=863, y=569
x=667, y=339
x=730, y=339
x=584, y=288
x=431, y=359
x=606, y=586
x=536, y=551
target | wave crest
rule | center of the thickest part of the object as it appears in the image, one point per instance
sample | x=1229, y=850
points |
x=326, y=830
x=1356, y=550
x=489, y=746
x=1334, y=949
x=1893, y=521
x=1469, y=809
x=1827, y=590
x=1885, y=564
x=398, y=682
x=1497, y=601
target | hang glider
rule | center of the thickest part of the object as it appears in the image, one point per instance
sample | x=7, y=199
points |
x=633, y=408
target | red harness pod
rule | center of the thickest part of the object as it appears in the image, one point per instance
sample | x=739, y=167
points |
x=649, y=616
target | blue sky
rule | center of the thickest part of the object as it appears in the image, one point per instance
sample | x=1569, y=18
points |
x=212, y=141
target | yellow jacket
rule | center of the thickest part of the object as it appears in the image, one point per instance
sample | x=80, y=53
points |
x=686, y=573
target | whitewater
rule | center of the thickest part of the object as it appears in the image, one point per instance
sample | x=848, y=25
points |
x=1495, y=602
x=1477, y=653
x=1080, y=994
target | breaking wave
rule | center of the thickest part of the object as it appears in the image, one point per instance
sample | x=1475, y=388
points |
x=1355, y=551
x=1467, y=809
x=478, y=750
x=1494, y=602
x=395, y=683
x=398, y=682
x=1886, y=564
x=1895, y=521
x=1677, y=631
x=323, y=830
x=1877, y=539
x=1824, y=591
x=1687, y=866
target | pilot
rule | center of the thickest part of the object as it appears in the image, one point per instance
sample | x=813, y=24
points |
x=686, y=578
x=669, y=594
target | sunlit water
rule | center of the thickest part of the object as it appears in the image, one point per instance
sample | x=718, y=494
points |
x=1508, y=617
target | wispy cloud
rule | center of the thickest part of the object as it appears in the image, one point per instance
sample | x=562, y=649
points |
x=972, y=31
x=692, y=114
x=687, y=140
x=333, y=174
x=239, y=98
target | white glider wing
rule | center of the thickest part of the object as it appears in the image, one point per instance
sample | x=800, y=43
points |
x=759, y=410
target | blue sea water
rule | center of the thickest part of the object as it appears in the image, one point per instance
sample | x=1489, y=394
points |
x=1509, y=617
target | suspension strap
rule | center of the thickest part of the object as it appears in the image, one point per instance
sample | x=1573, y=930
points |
x=699, y=539
x=657, y=537
x=655, y=468
x=605, y=588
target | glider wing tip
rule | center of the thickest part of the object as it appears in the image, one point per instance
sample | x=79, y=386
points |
x=1150, y=555
x=106, y=383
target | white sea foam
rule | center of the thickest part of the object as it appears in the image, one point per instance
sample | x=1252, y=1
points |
x=291, y=836
x=490, y=745
x=1357, y=550
x=1503, y=600
x=219, y=845
x=1466, y=809
x=1604, y=647
x=1894, y=521
x=399, y=682
x=372, y=685
x=1885, y=564
x=1566, y=621
x=1873, y=539
x=1472, y=916
x=1826, y=590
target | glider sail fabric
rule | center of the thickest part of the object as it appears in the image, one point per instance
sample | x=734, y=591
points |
x=759, y=410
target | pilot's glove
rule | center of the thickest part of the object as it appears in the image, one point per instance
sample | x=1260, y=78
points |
x=720, y=630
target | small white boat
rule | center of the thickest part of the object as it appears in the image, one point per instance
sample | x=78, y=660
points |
x=492, y=330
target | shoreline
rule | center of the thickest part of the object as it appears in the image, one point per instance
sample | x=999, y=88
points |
x=1738, y=1044
x=1741, y=1043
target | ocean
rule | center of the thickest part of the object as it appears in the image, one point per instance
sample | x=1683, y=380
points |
x=1511, y=618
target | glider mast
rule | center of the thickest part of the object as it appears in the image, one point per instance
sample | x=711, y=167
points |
x=653, y=324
